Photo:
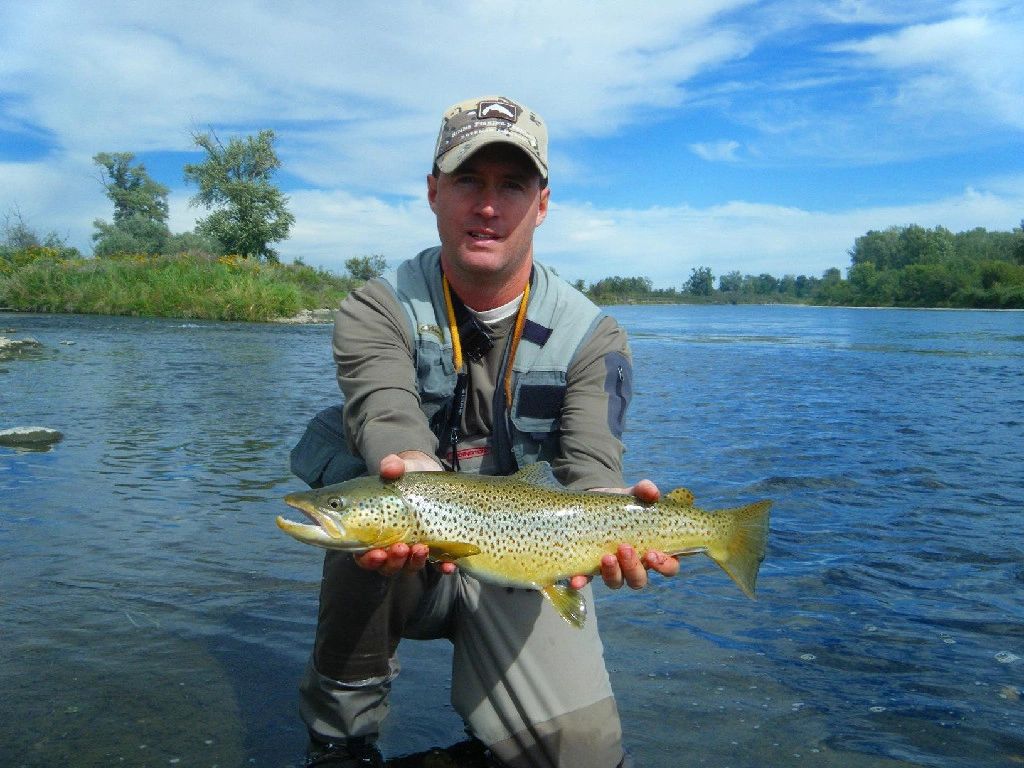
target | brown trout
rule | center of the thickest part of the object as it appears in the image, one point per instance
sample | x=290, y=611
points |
x=526, y=530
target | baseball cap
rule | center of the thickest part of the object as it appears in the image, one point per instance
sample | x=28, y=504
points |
x=475, y=123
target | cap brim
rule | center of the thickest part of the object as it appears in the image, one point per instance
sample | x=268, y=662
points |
x=457, y=155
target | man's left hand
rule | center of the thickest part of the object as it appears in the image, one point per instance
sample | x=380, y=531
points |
x=625, y=567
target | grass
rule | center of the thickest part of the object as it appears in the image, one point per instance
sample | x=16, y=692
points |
x=184, y=286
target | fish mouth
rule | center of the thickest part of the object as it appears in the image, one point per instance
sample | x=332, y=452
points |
x=325, y=532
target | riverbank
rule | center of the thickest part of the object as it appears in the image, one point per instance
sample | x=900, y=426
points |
x=193, y=287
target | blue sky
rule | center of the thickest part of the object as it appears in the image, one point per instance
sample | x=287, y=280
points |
x=750, y=136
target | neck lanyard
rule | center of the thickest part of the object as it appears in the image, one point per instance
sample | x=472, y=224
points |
x=462, y=379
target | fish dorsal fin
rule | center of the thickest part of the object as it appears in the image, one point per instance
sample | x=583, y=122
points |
x=568, y=602
x=538, y=474
x=450, y=551
x=682, y=496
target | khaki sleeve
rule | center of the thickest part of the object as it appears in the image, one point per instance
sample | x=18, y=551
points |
x=599, y=387
x=373, y=351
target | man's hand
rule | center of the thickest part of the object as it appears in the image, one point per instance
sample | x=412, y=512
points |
x=402, y=557
x=625, y=567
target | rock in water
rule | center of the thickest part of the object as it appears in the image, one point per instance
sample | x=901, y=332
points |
x=10, y=348
x=29, y=437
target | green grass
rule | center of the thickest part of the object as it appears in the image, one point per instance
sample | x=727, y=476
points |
x=185, y=286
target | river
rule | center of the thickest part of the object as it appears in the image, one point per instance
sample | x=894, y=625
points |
x=152, y=614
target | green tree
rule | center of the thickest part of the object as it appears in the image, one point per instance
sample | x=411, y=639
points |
x=872, y=287
x=249, y=212
x=140, y=207
x=731, y=282
x=366, y=267
x=701, y=282
x=621, y=288
x=1018, y=243
x=880, y=248
x=16, y=236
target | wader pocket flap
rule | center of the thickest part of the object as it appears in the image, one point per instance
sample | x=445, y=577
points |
x=540, y=401
x=321, y=457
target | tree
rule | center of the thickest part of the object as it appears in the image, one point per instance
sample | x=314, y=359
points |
x=1018, y=244
x=140, y=207
x=731, y=282
x=234, y=180
x=366, y=267
x=701, y=282
x=16, y=236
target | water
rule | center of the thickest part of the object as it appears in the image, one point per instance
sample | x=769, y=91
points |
x=152, y=615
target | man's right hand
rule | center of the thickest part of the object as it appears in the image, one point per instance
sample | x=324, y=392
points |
x=402, y=557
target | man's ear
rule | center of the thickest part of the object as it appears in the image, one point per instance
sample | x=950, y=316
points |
x=431, y=190
x=542, y=205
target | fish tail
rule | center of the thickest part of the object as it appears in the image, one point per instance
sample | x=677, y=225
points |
x=740, y=553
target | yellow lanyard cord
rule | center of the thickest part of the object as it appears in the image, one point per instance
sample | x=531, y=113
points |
x=517, y=333
x=453, y=327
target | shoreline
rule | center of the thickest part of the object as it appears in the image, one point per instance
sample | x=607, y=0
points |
x=308, y=317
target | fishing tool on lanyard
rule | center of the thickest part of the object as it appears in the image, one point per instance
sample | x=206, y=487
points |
x=469, y=337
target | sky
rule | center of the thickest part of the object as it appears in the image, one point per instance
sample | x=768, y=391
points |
x=763, y=137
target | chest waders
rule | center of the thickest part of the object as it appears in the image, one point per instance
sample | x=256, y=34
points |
x=532, y=688
x=526, y=422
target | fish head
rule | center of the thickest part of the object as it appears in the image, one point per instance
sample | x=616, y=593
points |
x=354, y=516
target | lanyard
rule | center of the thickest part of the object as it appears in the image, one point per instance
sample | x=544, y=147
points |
x=462, y=377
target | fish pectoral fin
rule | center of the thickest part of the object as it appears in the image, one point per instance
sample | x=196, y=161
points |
x=568, y=602
x=450, y=551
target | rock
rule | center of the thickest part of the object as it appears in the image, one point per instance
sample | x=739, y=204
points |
x=29, y=437
x=16, y=345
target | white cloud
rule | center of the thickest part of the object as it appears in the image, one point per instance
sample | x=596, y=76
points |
x=355, y=91
x=60, y=196
x=331, y=227
x=717, y=151
x=666, y=243
x=663, y=243
x=968, y=65
x=141, y=74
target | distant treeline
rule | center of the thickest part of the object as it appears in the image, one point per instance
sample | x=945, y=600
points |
x=907, y=266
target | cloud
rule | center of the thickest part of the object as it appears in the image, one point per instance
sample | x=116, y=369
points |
x=109, y=72
x=354, y=94
x=717, y=151
x=333, y=226
x=967, y=65
x=666, y=243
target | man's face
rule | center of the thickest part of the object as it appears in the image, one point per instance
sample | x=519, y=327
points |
x=487, y=210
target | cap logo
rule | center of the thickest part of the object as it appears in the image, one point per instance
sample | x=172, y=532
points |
x=497, y=109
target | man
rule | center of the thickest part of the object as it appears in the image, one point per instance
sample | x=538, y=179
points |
x=476, y=359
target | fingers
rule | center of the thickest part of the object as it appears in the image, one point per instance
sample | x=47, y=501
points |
x=646, y=491
x=398, y=557
x=392, y=467
x=579, y=582
x=625, y=567
x=664, y=564
x=611, y=572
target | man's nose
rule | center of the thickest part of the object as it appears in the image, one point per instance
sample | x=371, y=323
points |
x=487, y=203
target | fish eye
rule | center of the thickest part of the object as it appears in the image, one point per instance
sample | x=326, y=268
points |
x=335, y=503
